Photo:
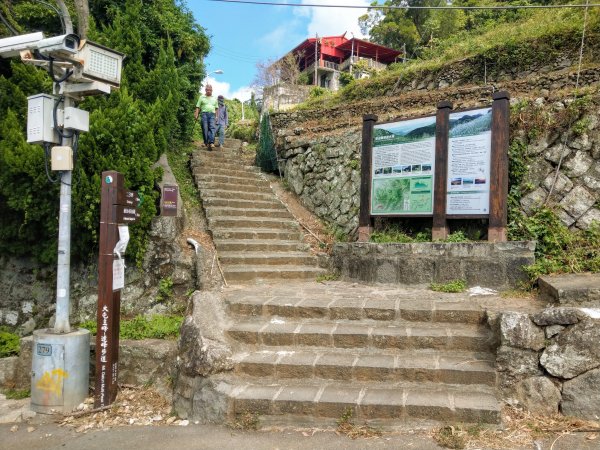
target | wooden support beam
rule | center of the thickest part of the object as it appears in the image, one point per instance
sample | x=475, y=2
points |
x=364, y=219
x=499, y=167
x=442, y=129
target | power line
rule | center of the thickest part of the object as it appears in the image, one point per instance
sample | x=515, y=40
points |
x=391, y=7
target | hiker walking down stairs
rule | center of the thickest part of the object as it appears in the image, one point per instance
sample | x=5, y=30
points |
x=207, y=105
x=222, y=121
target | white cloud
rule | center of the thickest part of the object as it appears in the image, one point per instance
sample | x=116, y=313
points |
x=223, y=88
x=335, y=21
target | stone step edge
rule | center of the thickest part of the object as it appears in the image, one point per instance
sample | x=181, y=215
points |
x=332, y=400
x=341, y=309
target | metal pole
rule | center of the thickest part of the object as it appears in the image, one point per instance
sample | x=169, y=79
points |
x=316, y=52
x=242, y=109
x=63, y=273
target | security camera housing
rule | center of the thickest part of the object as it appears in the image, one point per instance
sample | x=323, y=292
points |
x=14, y=45
x=65, y=45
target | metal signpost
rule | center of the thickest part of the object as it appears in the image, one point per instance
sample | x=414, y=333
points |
x=118, y=206
x=78, y=68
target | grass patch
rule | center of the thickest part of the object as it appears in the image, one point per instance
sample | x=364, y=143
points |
x=328, y=277
x=395, y=234
x=9, y=343
x=140, y=327
x=179, y=161
x=245, y=421
x=452, y=287
x=347, y=427
x=450, y=437
x=17, y=394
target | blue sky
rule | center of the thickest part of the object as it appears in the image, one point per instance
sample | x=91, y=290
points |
x=242, y=35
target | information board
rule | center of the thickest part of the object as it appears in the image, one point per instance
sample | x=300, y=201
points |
x=469, y=159
x=403, y=162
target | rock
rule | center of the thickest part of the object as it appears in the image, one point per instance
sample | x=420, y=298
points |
x=579, y=164
x=566, y=219
x=581, y=396
x=533, y=200
x=577, y=202
x=514, y=364
x=553, y=330
x=538, y=395
x=557, y=316
x=517, y=330
x=581, y=143
x=203, y=349
x=585, y=221
x=575, y=351
x=554, y=153
x=562, y=186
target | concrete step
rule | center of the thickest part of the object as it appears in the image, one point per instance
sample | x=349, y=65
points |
x=219, y=194
x=222, y=156
x=233, y=143
x=226, y=171
x=353, y=307
x=216, y=211
x=256, y=233
x=262, y=259
x=236, y=187
x=254, y=245
x=577, y=289
x=231, y=179
x=208, y=163
x=414, y=366
x=289, y=402
x=245, y=274
x=344, y=334
x=241, y=203
x=216, y=222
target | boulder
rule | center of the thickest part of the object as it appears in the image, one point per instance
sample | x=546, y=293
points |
x=517, y=330
x=538, y=395
x=557, y=316
x=581, y=396
x=575, y=351
x=514, y=364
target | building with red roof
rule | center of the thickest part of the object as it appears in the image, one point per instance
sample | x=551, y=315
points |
x=323, y=58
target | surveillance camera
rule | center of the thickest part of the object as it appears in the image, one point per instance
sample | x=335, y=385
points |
x=65, y=45
x=13, y=46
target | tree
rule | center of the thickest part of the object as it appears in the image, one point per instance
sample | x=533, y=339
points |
x=282, y=71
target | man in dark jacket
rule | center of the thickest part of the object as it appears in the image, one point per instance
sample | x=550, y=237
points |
x=222, y=120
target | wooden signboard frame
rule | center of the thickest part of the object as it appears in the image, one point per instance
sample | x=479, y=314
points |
x=498, y=187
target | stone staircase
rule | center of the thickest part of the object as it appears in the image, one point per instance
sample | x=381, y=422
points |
x=306, y=353
x=256, y=237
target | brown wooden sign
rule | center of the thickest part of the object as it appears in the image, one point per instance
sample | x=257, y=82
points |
x=128, y=198
x=170, y=194
x=127, y=214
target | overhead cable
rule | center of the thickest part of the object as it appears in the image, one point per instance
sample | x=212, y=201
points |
x=391, y=7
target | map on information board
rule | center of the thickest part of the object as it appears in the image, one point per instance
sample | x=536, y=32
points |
x=402, y=167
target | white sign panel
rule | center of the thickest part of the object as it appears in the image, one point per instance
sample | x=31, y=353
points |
x=469, y=159
x=118, y=274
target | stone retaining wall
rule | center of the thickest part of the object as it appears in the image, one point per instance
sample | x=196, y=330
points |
x=497, y=265
x=550, y=361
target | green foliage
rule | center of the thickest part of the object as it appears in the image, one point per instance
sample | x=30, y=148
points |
x=395, y=234
x=179, y=161
x=454, y=286
x=266, y=155
x=318, y=91
x=140, y=327
x=129, y=129
x=17, y=394
x=328, y=277
x=457, y=236
x=9, y=343
x=346, y=78
x=165, y=290
x=244, y=130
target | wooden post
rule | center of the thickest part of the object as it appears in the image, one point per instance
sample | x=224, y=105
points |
x=364, y=218
x=499, y=167
x=107, y=333
x=442, y=128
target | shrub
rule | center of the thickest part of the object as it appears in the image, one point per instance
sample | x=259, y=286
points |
x=9, y=343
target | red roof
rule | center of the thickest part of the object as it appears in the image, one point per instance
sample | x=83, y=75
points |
x=341, y=47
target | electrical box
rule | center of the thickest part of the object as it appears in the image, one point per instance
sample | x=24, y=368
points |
x=62, y=158
x=40, y=120
x=77, y=119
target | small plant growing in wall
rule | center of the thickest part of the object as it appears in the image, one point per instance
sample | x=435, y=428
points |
x=452, y=287
x=165, y=290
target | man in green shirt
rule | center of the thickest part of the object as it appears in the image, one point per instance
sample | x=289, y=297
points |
x=207, y=105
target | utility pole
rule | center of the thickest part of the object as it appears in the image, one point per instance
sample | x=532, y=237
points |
x=316, y=54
